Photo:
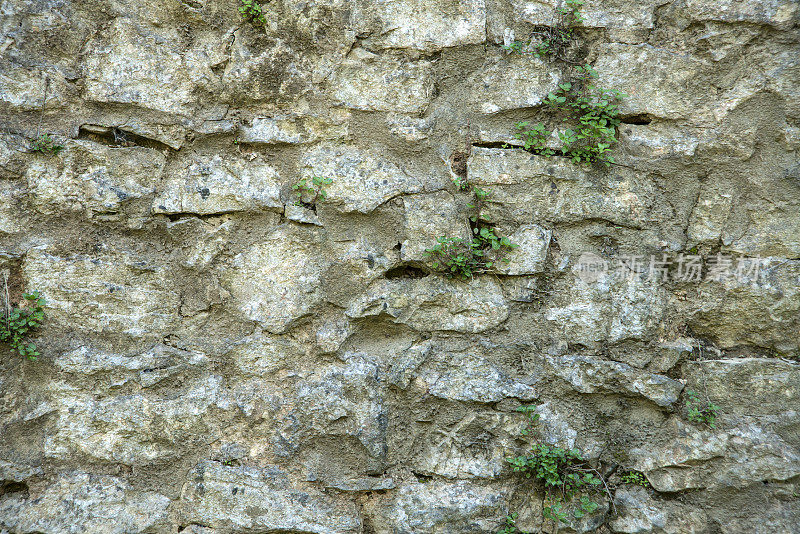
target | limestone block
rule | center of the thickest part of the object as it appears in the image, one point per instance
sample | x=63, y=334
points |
x=640, y=514
x=269, y=72
x=434, y=303
x=781, y=14
x=470, y=378
x=95, y=180
x=82, y=502
x=512, y=82
x=216, y=184
x=589, y=375
x=276, y=282
x=369, y=82
x=439, y=506
x=132, y=429
x=252, y=499
x=111, y=293
x=340, y=401
x=131, y=64
x=23, y=89
x=529, y=257
x=429, y=217
x=609, y=309
x=421, y=25
x=656, y=81
x=763, y=387
x=295, y=129
x=362, y=180
x=762, y=311
x=735, y=457
x=525, y=187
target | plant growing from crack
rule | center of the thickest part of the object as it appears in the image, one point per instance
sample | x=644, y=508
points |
x=552, y=41
x=251, y=12
x=18, y=323
x=699, y=412
x=456, y=257
x=311, y=190
x=589, y=112
x=635, y=478
x=568, y=481
x=592, y=115
x=45, y=144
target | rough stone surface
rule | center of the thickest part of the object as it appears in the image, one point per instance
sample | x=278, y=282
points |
x=221, y=357
x=214, y=185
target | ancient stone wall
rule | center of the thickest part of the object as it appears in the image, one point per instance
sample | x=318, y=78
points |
x=221, y=357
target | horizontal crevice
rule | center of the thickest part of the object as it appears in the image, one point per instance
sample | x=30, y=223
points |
x=117, y=138
x=494, y=144
x=173, y=217
x=405, y=271
x=640, y=119
x=10, y=487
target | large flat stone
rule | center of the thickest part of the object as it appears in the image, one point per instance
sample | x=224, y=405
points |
x=421, y=24
x=276, y=282
x=85, y=503
x=214, y=184
x=112, y=293
x=434, y=303
x=96, y=180
x=370, y=82
x=241, y=499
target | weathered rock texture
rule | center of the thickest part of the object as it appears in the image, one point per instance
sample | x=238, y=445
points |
x=217, y=359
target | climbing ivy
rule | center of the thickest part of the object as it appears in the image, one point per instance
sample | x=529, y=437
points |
x=568, y=480
x=17, y=323
x=590, y=114
x=456, y=257
x=552, y=41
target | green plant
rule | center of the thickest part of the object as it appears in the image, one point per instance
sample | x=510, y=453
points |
x=535, y=138
x=44, y=144
x=457, y=257
x=593, y=117
x=635, y=478
x=461, y=183
x=511, y=526
x=699, y=413
x=310, y=190
x=251, y=12
x=17, y=323
x=552, y=41
x=566, y=477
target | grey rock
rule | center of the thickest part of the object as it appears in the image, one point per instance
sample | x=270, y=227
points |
x=421, y=25
x=530, y=256
x=248, y=498
x=429, y=217
x=469, y=378
x=275, y=283
x=85, y=503
x=371, y=82
x=589, y=375
x=96, y=181
x=214, y=185
x=362, y=180
x=640, y=514
x=432, y=303
x=735, y=457
x=438, y=506
x=153, y=73
x=120, y=292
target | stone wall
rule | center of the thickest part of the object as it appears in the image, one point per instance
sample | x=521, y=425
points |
x=217, y=359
